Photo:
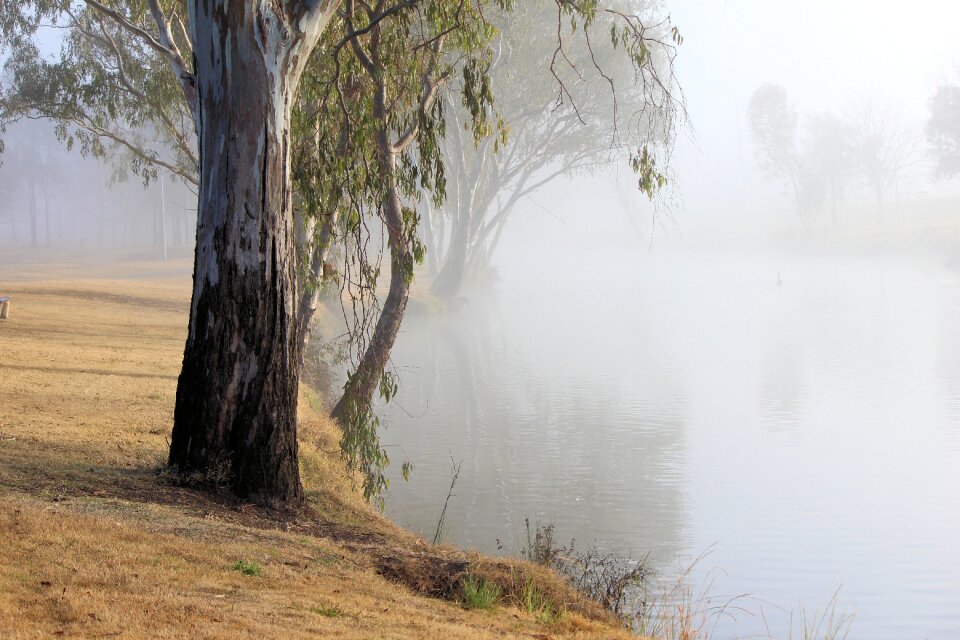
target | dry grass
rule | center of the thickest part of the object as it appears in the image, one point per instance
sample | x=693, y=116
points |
x=97, y=543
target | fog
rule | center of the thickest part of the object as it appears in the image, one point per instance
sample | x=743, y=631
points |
x=55, y=198
x=737, y=376
x=714, y=375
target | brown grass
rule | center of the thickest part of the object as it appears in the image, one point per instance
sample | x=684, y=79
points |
x=97, y=542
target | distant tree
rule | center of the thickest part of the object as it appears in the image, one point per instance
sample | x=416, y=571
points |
x=773, y=123
x=774, y=128
x=826, y=155
x=882, y=146
x=943, y=129
x=569, y=111
x=30, y=174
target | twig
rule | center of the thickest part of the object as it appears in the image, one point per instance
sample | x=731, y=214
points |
x=443, y=514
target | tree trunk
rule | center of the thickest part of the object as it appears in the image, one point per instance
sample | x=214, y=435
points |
x=46, y=216
x=361, y=386
x=432, y=239
x=449, y=281
x=310, y=290
x=359, y=390
x=236, y=408
x=32, y=187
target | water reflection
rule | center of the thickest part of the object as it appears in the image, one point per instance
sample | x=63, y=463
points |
x=600, y=455
x=806, y=432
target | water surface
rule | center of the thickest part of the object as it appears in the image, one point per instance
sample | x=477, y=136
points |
x=807, y=434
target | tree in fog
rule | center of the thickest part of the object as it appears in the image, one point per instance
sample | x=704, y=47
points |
x=882, y=146
x=376, y=119
x=30, y=175
x=773, y=123
x=568, y=112
x=827, y=153
x=943, y=129
x=812, y=153
x=774, y=128
x=409, y=167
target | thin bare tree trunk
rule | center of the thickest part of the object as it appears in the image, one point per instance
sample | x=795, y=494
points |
x=310, y=290
x=32, y=187
x=46, y=216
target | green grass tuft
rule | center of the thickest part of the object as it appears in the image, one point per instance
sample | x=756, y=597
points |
x=328, y=612
x=479, y=593
x=248, y=568
x=536, y=602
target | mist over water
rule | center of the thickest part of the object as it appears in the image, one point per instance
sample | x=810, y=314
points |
x=804, y=434
x=784, y=399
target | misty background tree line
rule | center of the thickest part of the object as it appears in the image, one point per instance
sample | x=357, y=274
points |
x=326, y=158
x=821, y=157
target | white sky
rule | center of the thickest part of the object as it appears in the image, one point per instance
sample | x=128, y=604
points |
x=825, y=53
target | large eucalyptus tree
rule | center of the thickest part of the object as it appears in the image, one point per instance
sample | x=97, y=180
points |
x=237, y=67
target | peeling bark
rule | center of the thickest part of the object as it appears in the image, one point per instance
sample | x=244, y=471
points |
x=236, y=406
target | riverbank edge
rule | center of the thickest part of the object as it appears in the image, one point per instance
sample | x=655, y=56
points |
x=103, y=543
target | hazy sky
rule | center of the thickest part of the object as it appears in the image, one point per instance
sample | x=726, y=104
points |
x=826, y=53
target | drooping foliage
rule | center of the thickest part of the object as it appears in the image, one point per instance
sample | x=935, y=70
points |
x=108, y=90
x=372, y=123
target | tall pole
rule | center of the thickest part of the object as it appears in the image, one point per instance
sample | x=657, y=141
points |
x=163, y=218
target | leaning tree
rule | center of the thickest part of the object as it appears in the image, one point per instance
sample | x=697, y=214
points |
x=372, y=121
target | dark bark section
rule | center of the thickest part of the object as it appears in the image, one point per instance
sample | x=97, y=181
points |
x=236, y=407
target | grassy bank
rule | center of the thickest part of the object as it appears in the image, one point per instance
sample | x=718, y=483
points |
x=99, y=542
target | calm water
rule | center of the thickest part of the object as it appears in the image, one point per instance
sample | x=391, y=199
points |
x=807, y=435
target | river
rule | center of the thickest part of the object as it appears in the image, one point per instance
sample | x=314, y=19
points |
x=803, y=434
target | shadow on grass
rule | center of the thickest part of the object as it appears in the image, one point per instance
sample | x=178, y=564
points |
x=88, y=371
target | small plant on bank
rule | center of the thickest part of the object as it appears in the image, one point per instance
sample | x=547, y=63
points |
x=479, y=593
x=328, y=612
x=829, y=625
x=610, y=579
x=536, y=602
x=248, y=568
